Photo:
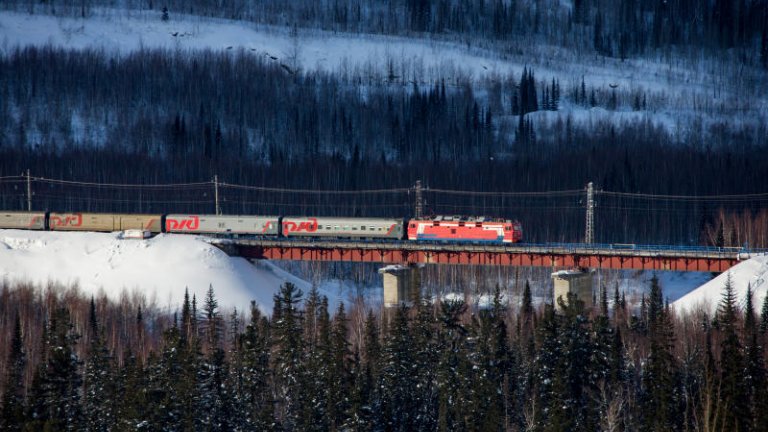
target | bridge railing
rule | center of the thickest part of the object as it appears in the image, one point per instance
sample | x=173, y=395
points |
x=648, y=248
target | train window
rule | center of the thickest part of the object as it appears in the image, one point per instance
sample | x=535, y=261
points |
x=362, y=228
x=354, y=228
x=319, y=227
x=413, y=225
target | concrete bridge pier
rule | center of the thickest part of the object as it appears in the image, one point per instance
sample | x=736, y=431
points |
x=578, y=282
x=399, y=283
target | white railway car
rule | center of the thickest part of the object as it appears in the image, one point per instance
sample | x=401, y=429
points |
x=303, y=226
x=213, y=224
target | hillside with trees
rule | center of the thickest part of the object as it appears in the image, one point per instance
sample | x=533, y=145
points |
x=150, y=110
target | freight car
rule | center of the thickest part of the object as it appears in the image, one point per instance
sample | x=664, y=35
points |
x=103, y=222
x=23, y=220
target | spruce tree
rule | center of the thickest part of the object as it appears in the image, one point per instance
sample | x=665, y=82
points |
x=340, y=385
x=492, y=386
x=659, y=399
x=424, y=364
x=12, y=411
x=59, y=377
x=731, y=361
x=256, y=373
x=236, y=377
x=287, y=343
x=504, y=364
x=755, y=377
x=166, y=385
x=99, y=380
x=130, y=394
x=453, y=369
x=546, y=382
x=397, y=381
x=764, y=316
x=577, y=370
x=317, y=376
x=214, y=405
x=366, y=390
x=527, y=319
x=603, y=301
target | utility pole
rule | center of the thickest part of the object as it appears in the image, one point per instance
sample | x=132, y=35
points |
x=216, y=193
x=419, y=209
x=590, y=229
x=29, y=192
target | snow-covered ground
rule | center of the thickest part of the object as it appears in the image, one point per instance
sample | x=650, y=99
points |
x=160, y=267
x=752, y=272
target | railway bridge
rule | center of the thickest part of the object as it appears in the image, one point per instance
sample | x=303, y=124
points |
x=554, y=255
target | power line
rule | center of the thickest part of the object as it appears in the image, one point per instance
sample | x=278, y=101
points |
x=313, y=191
x=121, y=185
x=563, y=193
x=725, y=198
x=294, y=204
x=57, y=198
x=686, y=198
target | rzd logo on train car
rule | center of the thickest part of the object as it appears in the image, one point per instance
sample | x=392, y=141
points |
x=191, y=223
x=68, y=220
x=35, y=221
x=290, y=226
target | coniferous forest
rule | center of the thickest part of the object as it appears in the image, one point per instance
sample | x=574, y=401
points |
x=73, y=363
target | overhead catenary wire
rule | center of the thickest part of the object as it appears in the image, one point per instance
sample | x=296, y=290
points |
x=724, y=198
x=686, y=198
x=314, y=191
x=121, y=185
x=562, y=193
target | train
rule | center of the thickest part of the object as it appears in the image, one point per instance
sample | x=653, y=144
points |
x=444, y=229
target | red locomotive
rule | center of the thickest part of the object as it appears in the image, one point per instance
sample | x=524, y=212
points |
x=465, y=230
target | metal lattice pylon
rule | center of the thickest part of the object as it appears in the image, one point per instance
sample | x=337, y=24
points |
x=419, y=207
x=589, y=237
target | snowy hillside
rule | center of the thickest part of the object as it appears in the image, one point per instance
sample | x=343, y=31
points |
x=160, y=267
x=752, y=272
x=677, y=94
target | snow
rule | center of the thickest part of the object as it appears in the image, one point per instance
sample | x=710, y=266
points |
x=636, y=283
x=753, y=272
x=160, y=267
x=393, y=268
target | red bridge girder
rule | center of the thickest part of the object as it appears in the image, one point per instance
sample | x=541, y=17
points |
x=384, y=255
